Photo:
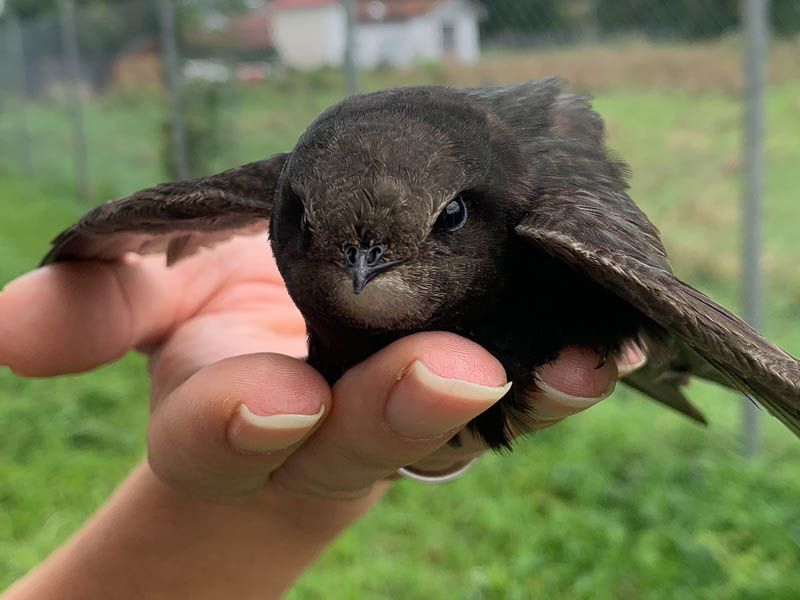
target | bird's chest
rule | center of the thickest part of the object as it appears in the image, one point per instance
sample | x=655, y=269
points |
x=511, y=321
x=524, y=319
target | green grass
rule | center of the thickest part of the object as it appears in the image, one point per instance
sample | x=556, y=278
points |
x=625, y=501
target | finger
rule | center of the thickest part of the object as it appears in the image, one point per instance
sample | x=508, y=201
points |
x=220, y=434
x=570, y=384
x=450, y=457
x=391, y=410
x=633, y=356
x=214, y=336
x=71, y=317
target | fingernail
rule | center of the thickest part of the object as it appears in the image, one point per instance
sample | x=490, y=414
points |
x=577, y=402
x=632, y=357
x=425, y=405
x=552, y=404
x=249, y=432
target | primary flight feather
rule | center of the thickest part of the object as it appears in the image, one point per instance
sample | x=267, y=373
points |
x=495, y=213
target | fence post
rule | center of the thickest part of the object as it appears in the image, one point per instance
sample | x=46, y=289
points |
x=69, y=39
x=166, y=15
x=16, y=50
x=350, y=67
x=755, y=22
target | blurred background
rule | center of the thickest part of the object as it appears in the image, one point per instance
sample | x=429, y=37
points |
x=99, y=98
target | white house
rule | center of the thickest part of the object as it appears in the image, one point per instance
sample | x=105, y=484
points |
x=311, y=33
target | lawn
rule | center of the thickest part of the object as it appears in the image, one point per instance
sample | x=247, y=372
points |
x=625, y=501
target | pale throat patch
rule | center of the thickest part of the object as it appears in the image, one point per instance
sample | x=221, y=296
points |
x=386, y=301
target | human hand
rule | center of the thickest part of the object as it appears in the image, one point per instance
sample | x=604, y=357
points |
x=231, y=411
x=301, y=462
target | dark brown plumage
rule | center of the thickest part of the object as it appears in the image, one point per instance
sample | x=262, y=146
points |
x=496, y=213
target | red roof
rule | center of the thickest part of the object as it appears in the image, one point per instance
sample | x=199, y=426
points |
x=369, y=11
x=251, y=29
x=290, y=4
x=246, y=31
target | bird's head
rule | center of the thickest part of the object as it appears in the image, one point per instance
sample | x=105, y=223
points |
x=394, y=207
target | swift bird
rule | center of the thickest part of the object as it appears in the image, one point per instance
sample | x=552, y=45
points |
x=495, y=213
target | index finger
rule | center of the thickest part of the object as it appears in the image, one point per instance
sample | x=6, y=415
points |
x=72, y=317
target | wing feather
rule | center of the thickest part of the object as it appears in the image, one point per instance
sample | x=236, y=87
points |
x=605, y=250
x=177, y=218
x=579, y=212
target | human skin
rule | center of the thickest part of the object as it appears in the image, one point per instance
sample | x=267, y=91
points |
x=233, y=501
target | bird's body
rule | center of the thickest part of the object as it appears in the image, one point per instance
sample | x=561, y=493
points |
x=494, y=213
x=569, y=309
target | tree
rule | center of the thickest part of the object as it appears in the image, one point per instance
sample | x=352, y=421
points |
x=531, y=16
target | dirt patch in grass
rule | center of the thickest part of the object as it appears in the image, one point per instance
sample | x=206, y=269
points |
x=699, y=67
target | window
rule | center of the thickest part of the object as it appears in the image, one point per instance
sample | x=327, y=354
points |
x=448, y=37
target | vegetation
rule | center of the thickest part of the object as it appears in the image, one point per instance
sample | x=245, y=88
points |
x=625, y=501
x=204, y=130
x=675, y=20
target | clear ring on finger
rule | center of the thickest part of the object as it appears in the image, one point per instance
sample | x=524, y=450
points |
x=455, y=472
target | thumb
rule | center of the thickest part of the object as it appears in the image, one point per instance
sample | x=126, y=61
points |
x=220, y=434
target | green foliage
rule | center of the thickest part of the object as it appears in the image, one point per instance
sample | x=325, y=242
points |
x=204, y=128
x=677, y=19
x=785, y=17
x=432, y=71
x=25, y=9
x=522, y=17
x=688, y=19
x=626, y=501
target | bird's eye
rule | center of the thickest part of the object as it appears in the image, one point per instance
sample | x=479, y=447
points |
x=304, y=222
x=454, y=215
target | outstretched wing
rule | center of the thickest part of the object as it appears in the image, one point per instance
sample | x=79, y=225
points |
x=580, y=213
x=668, y=369
x=598, y=237
x=177, y=218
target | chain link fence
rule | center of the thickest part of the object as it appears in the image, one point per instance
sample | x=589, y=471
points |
x=115, y=96
x=227, y=50
x=509, y=22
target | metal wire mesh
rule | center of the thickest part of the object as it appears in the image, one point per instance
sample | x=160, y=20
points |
x=688, y=43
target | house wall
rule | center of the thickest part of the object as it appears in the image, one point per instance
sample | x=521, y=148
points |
x=310, y=37
x=315, y=36
x=397, y=44
x=420, y=38
x=465, y=22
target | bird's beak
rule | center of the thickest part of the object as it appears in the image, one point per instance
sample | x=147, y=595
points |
x=361, y=269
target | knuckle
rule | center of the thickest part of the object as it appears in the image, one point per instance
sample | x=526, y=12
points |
x=307, y=485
